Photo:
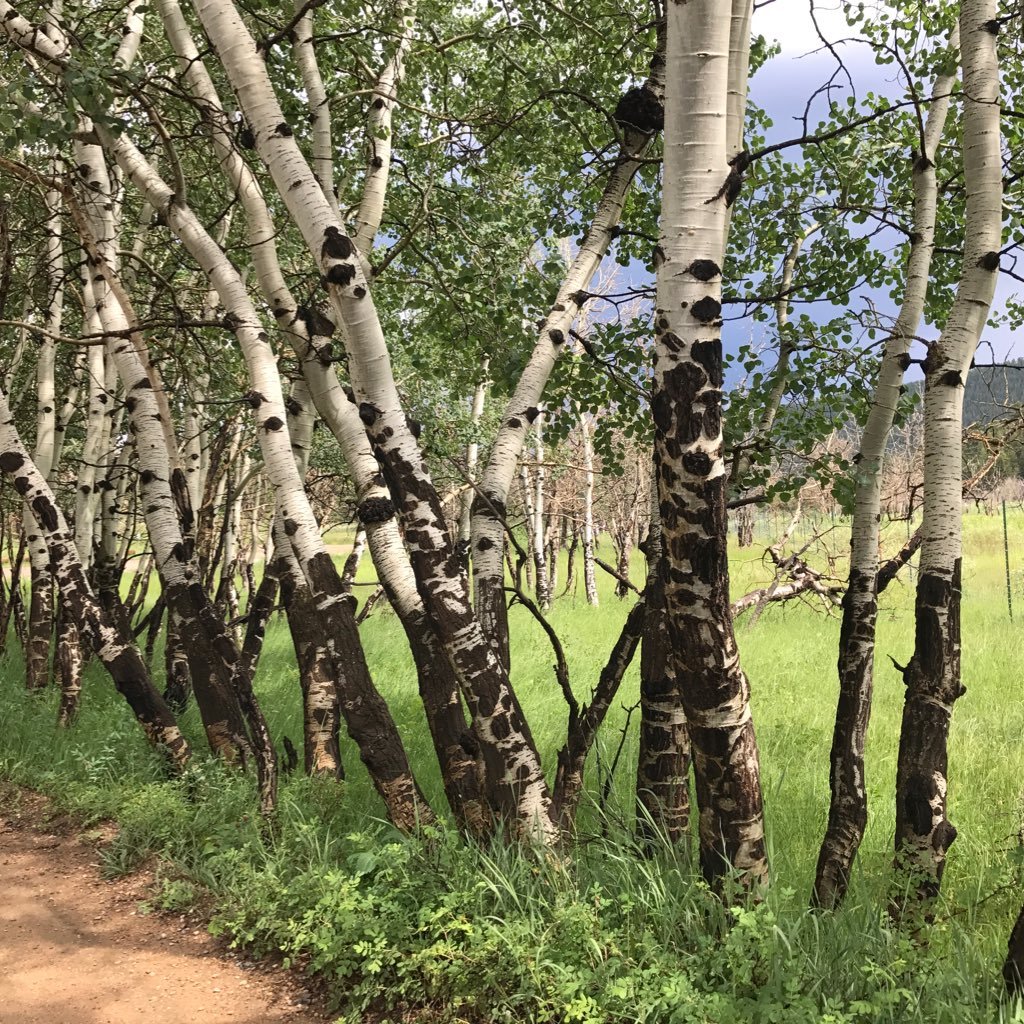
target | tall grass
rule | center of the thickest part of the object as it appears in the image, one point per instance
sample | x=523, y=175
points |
x=600, y=933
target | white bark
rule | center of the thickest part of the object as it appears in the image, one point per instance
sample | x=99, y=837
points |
x=116, y=651
x=848, y=808
x=923, y=833
x=687, y=405
x=736, y=104
x=514, y=767
x=496, y=479
x=589, y=575
x=472, y=455
x=319, y=106
x=86, y=495
x=539, y=537
x=378, y=134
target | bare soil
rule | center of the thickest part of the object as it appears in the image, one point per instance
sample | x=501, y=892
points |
x=78, y=949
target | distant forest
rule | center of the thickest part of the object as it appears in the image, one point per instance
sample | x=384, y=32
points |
x=994, y=392
x=993, y=405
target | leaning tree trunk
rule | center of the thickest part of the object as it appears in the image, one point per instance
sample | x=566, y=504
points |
x=321, y=712
x=455, y=745
x=515, y=776
x=368, y=718
x=848, y=809
x=923, y=831
x=687, y=410
x=639, y=117
x=95, y=226
x=113, y=648
x=211, y=653
x=584, y=723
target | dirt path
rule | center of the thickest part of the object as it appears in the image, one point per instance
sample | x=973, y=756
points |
x=74, y=948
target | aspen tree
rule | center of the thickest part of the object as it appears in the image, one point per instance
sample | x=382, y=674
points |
x=691, y=477
x=933, y=683
x=848, y=808
x=114, y=649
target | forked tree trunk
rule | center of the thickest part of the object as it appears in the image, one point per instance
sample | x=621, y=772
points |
x=318, y=102
x=848, y=809
x=687, y=411
x=584, y=725
x=923, y=830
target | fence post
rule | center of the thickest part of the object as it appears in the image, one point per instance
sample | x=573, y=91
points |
x=1006, y=556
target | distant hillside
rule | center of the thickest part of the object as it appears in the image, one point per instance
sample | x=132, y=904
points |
x=992, y=392
x=990, y=389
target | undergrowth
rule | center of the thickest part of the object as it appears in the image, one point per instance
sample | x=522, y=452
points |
x=457, y=932
x=600, y=933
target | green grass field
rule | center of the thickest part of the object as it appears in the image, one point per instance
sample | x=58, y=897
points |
x=492, y=935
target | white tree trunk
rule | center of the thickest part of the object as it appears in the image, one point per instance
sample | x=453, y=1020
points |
x=318, y=103
x=472, y=457
x=848, y=808
x=41, y=606
x=514, y=769
x=589, y=574
x=116, y=652
x=923, y=831
x=687, y=410
x=378, y=134
x=539, y=535
x=496, y=480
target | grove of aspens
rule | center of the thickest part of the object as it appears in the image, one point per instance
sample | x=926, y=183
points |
x=515, y=510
